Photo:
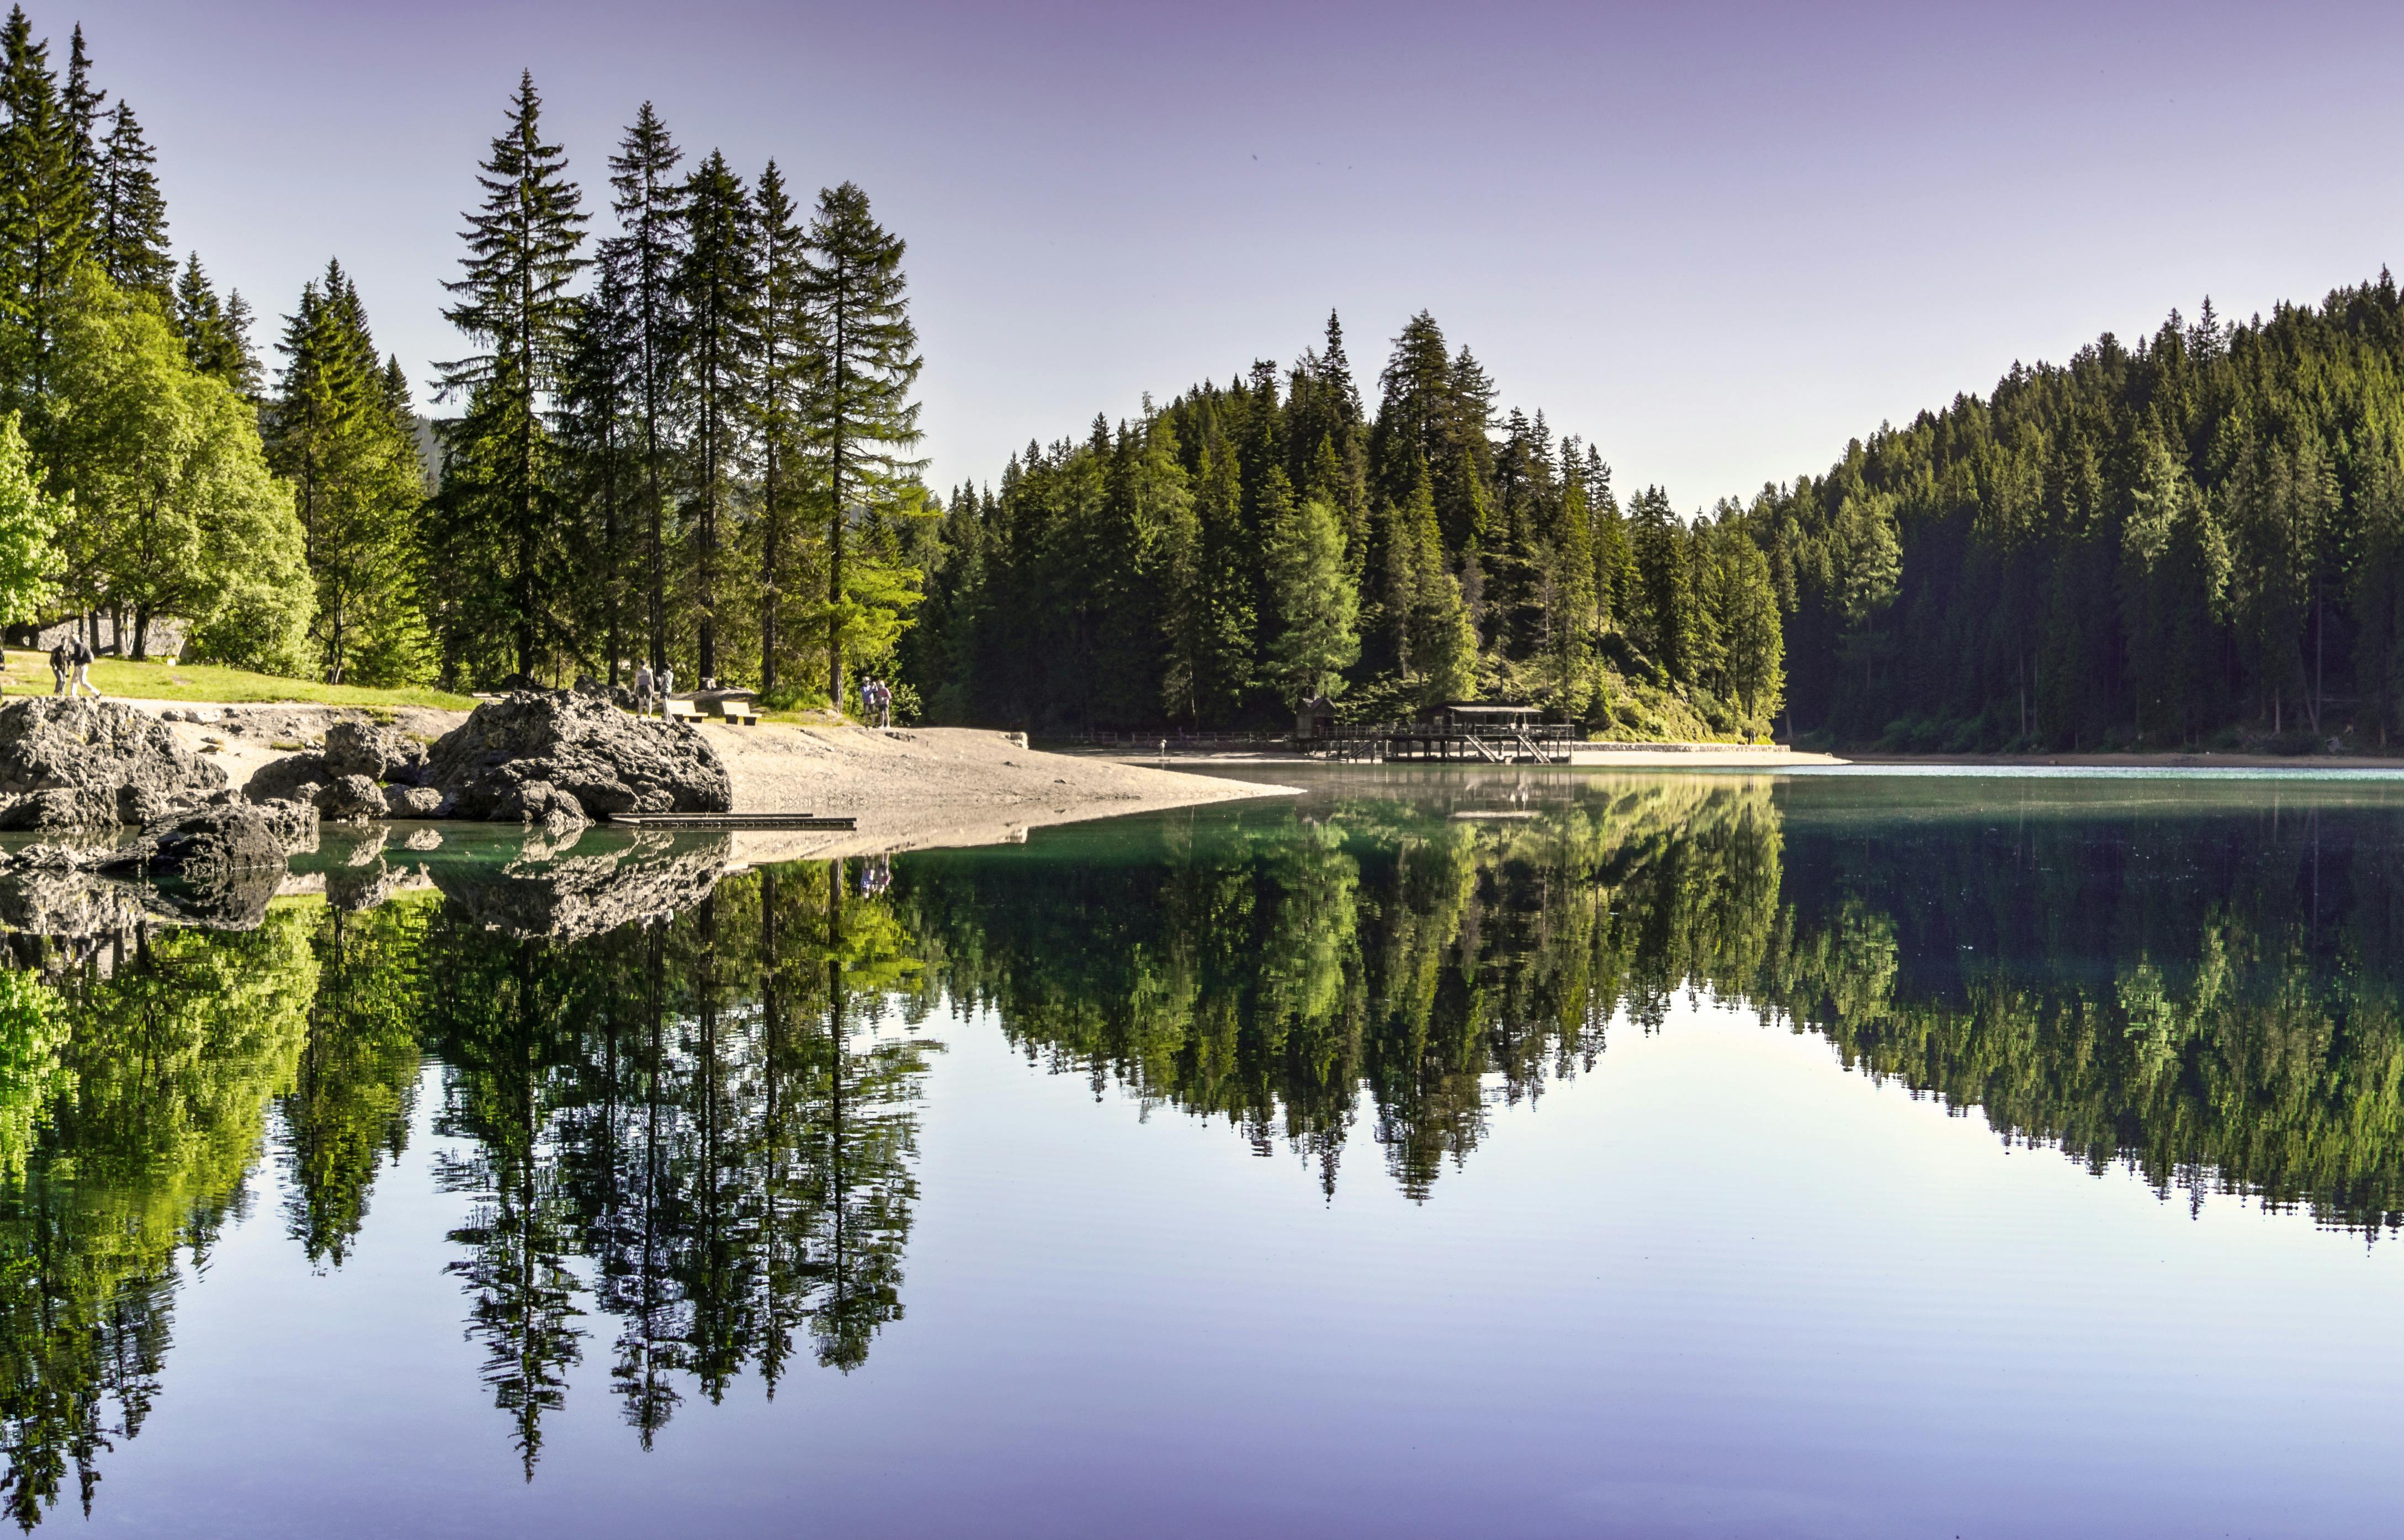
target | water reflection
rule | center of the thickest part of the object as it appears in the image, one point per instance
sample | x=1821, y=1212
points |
x=678, y=1110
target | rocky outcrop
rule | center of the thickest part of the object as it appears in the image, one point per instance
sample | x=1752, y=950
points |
x=412, y=801
x=76, y=763
x=295, y=777
x=350, y=799
x=358, y=747
x=542, y=756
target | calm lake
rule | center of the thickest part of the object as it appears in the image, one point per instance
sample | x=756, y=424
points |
x=1438, y=1154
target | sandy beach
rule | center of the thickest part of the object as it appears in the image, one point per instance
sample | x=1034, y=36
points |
x=910, y=788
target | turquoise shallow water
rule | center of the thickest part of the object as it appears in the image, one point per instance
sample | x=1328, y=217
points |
x=1557, y=1153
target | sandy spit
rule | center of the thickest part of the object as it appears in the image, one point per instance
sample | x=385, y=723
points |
x=910, y=788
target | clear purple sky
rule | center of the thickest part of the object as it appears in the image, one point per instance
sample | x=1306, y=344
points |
x=1718, y=239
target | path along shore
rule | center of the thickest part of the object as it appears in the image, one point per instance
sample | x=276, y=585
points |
x=909, y=788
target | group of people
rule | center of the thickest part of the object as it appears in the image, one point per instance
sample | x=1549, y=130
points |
x=875, y=702
x=875, y=696
x=646, y=687
x=71, y=667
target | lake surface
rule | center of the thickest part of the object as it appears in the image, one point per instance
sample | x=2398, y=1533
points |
x=1545, y=1153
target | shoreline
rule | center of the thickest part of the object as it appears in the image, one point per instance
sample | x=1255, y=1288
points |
x=910, y=788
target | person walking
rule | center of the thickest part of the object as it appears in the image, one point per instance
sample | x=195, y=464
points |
x=667, y=688
x=643, y=691
x=59, y=666
x=80, y=654
x=884, y=706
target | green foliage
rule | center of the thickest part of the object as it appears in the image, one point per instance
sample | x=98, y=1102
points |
x=1312, y=598
x=346, y=446
x=2149, y=545
x=1246, y=544
x=500, y=515
x=174, y=510
x=28, y=520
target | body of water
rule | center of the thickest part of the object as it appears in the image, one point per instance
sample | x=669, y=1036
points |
x=1440, y=1152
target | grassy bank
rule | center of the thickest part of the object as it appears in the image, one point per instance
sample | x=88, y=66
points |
x=28, y=673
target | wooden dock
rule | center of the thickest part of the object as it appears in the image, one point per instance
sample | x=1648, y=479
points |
x=842, y=822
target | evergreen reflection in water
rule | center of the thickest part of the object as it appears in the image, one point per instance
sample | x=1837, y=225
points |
x=681, y=1123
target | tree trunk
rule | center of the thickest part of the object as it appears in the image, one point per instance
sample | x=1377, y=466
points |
x=141, y=632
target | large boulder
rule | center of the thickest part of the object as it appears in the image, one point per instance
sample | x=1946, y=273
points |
x=295, y=777
x=67, y=763
x=351, y=798
x=357, y=746
x=546, y=755
x=412, y=801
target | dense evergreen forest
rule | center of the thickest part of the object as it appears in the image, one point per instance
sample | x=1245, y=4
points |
x=2197, y=539
x=1248, y=545
x=684, y=441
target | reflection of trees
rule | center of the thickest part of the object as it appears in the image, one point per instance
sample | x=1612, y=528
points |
x=678, y=1128
x=1265, y=968
x=153, y=1064
x=686, y=1143
x=2211, y=998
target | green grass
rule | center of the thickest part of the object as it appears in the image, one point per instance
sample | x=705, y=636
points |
x=29, y=674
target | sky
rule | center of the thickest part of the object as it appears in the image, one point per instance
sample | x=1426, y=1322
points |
x=1718, y=241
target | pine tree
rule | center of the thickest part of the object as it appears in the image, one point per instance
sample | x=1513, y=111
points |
x=595, y=426
x=717, y=293
x=1317, y=605
x=81, y=102
x=337, y=435
x=130, y=234
x=513, y=301
x=863, y=420
x=780, y=403
x=645, y=255
x=45, y=211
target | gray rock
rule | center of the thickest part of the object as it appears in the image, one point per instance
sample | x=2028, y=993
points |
x=287, y=779
x=350, y=799
x=412, y=801
x=357, y=746
x=582, y=752
x=423, y=839
x=69, y=762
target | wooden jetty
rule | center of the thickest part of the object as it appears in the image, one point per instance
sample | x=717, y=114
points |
x=838, y=822
x=1456, y=733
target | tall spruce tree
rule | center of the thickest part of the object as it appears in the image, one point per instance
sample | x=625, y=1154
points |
x=597, y=427
x=45, y=211
x=862, y=421
x=717, y=293
x=522, y=246
x=645, y=255
x=130, y=214
x=338, y=436
x=1314, y=640
x=788, y=351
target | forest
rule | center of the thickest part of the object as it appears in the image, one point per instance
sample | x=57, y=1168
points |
x=1246, y=546
x=2195, y=541
x=684, y=441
